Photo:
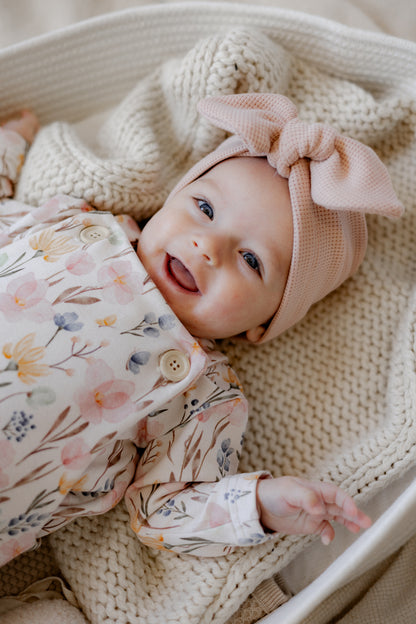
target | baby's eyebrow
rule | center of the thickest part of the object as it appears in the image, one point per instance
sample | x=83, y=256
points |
x=210, y=183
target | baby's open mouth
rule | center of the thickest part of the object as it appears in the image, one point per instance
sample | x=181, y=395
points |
x=181, y=275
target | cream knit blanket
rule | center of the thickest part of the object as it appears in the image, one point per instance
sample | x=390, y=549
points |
x=334, y=398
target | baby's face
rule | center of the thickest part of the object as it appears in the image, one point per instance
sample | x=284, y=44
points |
x=219, y=250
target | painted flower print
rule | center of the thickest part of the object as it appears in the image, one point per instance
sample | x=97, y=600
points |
x=223, y=456
x=138, y=360
x=25, y=299
x=104, y=397
x=13, y=547
x=19, y=425
x=81, y=391
x=120, y=282
x=51, y=246
x=68, y=321
x=80, y=263
x=59, y=205
x=75, y=454
x=24, y=359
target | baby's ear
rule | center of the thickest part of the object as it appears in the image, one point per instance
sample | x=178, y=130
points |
x=254, y=335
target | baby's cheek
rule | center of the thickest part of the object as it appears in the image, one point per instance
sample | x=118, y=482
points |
x=236, y=306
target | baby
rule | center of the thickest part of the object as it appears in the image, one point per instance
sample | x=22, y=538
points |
x=111, y=386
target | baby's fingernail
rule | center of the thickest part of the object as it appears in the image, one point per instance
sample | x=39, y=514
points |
x=325, y=539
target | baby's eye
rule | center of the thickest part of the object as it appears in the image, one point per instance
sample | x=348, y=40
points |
x=251, y=260
x=205, y=208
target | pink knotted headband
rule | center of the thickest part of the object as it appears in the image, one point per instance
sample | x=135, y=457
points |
x=333, y=181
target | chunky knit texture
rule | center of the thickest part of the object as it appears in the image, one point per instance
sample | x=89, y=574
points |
x=334, y=397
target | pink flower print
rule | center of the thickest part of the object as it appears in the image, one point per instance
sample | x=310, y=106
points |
x=75, y=455
x=217, y=515
x=214, y=516
x=80, y=263
x=239, y=414
x=56, y=205
x=46, y=211
x=148, y=429
x=141, y=437
x=103, y=397
x=154, y=428
x=25, y=299
x=6, y=457
x=235, y=410
x=4, y=238
x=15, y=546
x=120, y=284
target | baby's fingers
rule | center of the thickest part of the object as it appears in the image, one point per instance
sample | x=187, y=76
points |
x=353, y=525
x=327, y=533
x=340, y=505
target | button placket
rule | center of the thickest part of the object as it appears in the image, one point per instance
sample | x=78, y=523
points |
x=174, y=365
x=94, y=233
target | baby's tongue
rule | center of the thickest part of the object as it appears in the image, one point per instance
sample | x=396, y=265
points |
x=182, y=275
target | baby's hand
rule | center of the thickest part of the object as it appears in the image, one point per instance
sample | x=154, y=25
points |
x=300, y=507
x=26, y=124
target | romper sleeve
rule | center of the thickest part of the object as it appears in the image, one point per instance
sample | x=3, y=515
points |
x=12, y=155
x=187, y=495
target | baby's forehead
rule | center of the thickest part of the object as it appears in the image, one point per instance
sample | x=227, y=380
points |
x=243, y=171
x=252, y=181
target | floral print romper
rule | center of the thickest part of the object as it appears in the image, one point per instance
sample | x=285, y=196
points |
x=103, y=393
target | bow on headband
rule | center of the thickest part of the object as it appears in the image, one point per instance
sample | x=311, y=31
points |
x=344, y=173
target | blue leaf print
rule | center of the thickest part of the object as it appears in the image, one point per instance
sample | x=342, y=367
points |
x=167, y=321
x=223, y=456
x=138, y=359
x=150, y=318
x=151, y=332
x=24, y=522
x=255, y=538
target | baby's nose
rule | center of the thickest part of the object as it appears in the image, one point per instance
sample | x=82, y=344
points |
x=210, y=249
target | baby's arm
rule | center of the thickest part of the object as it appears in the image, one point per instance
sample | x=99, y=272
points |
x=185, y=496
x=298, y=506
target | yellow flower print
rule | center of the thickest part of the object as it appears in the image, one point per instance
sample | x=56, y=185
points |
x=196, y=348
x=51, y=245
x=148, y=540
x=230, y=377
x=24, y=359
x=76, y=485
x=108, y=321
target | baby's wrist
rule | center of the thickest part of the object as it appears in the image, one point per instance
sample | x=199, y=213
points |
x=259, y=500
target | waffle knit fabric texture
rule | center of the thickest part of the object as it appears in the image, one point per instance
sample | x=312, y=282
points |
x=334, y=397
